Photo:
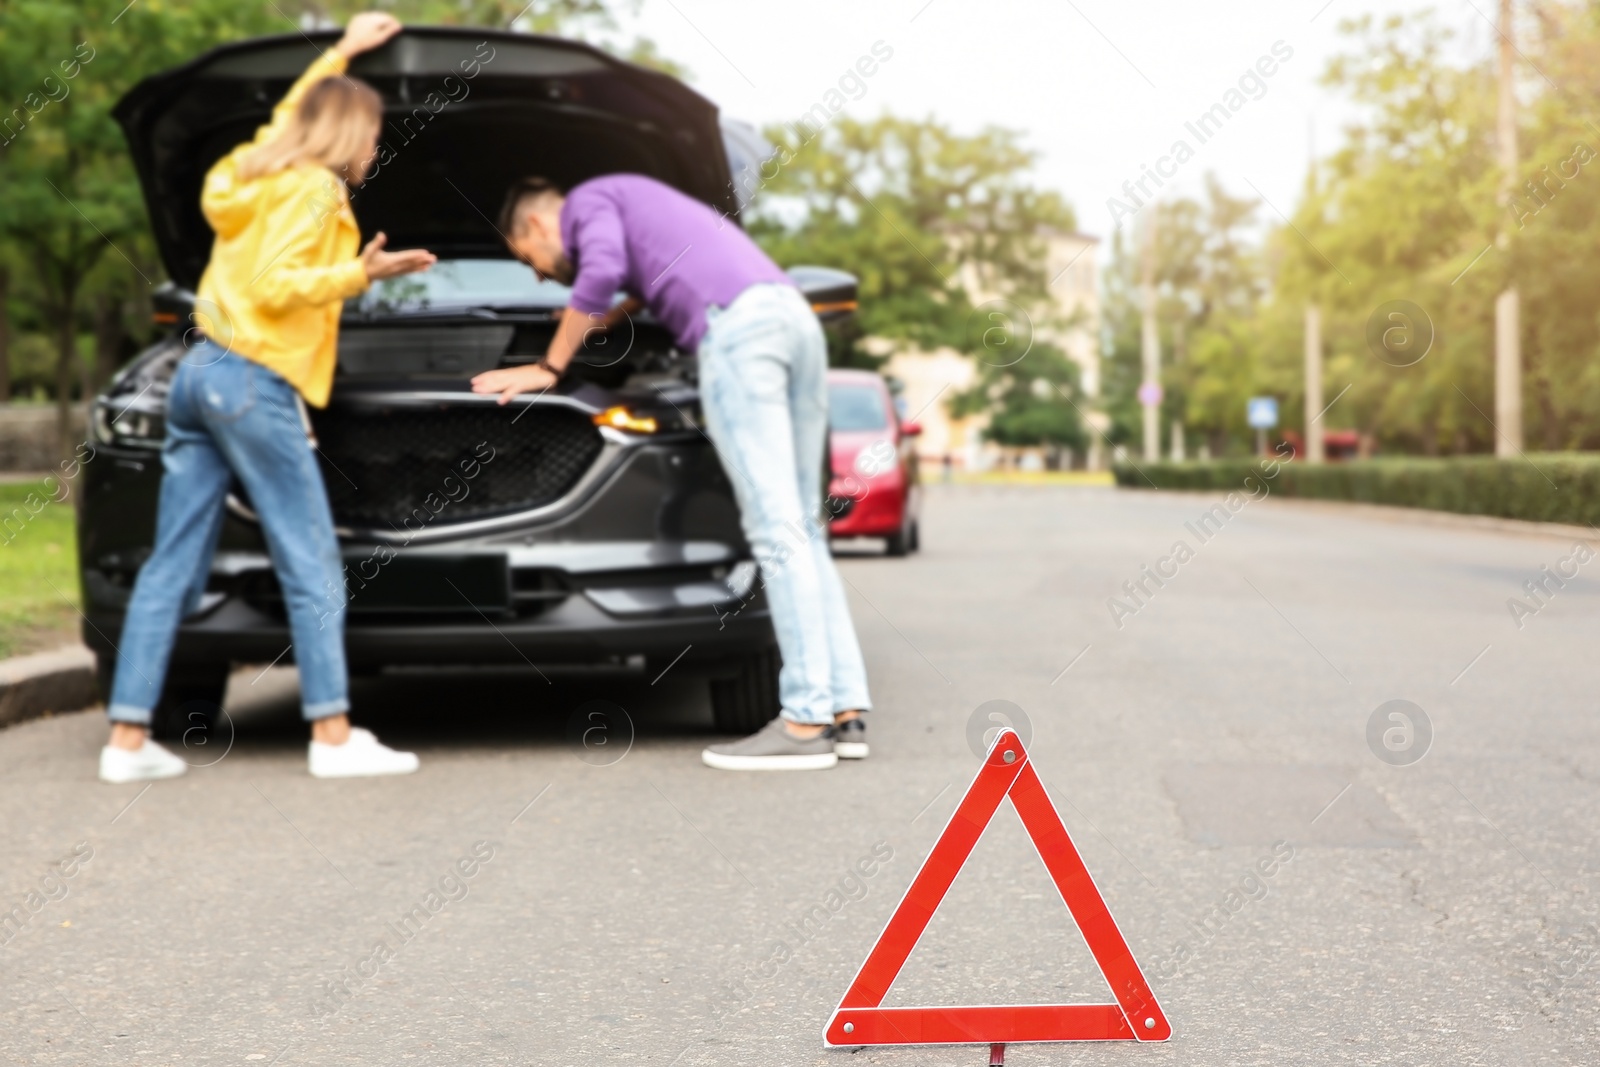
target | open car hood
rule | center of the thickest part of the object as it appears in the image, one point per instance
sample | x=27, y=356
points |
x=468, y=111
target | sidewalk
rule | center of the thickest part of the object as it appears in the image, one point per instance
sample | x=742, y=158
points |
x=931, y=475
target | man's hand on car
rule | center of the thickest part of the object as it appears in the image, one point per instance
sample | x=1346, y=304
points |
x=367, y=31
x=569, y=337
x=509, y=381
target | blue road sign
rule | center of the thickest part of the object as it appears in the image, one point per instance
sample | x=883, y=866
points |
x=1262, y=412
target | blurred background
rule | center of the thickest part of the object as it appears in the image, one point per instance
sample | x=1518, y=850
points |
x=1086, y=233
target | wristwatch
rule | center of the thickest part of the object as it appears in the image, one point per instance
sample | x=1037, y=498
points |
x=544, y=361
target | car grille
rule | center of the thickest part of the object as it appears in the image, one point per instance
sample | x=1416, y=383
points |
x=384, y=465
x=533, y=592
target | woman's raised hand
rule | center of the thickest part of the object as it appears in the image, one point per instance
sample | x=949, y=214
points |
x=380, y=264
x=367, y=31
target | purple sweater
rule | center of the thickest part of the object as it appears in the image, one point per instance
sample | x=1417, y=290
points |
x=634, y=234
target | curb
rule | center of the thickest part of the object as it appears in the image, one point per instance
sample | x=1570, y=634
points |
x=31, y=686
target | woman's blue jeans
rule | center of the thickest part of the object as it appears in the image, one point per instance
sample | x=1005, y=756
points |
x=227, y=417
x=764, y=391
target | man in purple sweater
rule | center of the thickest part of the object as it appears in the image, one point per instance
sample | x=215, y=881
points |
x=763, y=389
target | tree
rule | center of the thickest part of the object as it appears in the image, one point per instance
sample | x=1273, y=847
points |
x=71, y=198
x=1404, y=211
x=947, y=237
x=1394, y=236
x=927, y=218
x=1209, y=281
x=1030, y=402
x=72, y=209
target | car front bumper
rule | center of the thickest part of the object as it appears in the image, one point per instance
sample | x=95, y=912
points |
x=645, y=625
x=879, y=512
x=649, y=565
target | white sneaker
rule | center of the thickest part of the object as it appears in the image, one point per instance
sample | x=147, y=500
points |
x=146, y=763
x=363, y=756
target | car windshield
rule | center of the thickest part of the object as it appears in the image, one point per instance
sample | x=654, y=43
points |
x=856, y=407
x=454, y=283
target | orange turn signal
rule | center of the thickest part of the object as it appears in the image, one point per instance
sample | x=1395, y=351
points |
x=620, y=418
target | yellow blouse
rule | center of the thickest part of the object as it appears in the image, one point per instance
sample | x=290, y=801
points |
x=284, y=260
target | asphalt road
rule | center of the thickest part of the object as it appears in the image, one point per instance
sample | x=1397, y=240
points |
x=1419, y=911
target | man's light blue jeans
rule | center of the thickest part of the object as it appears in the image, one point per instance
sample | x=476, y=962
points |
x=228, y=416
x=764, y=391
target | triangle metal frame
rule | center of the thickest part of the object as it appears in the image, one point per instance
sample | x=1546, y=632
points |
x=861, y=1020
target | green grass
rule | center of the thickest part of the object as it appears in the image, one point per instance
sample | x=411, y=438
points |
x=38, y=568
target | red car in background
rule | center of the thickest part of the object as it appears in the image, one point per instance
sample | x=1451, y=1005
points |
x=875, y=490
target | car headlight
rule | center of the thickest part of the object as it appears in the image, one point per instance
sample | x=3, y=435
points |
x=128, y=427
x=875, y=459
x=671, y=417
x=622, y=418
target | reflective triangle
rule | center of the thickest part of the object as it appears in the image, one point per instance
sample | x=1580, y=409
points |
x=1006, y=772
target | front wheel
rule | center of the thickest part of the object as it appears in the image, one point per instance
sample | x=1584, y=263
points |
x=903, y=541
x=748, y=701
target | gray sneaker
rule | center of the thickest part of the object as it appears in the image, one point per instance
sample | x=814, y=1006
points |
x=850, y=738
x=773, y=748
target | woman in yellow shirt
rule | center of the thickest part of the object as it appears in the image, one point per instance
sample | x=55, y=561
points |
x=284, y=260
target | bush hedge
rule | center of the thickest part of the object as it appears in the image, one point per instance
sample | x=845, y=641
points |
x=1543, y=487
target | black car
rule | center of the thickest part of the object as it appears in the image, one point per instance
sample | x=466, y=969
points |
x=591, y=526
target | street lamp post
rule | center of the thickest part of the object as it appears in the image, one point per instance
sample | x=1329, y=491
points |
x=1507, y=306
x=1150, y=389
x=1314, y=449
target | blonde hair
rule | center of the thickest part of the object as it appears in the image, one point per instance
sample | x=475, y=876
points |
x=332, y=126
